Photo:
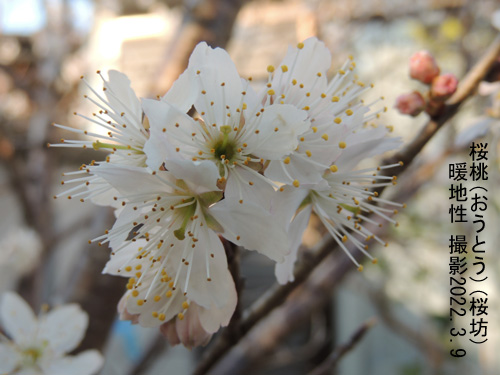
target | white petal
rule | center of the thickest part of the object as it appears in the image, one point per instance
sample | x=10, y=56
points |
x=88, y=362
x=17, y=319
x=212, y=319
x=272, y=144
x=299, y=168
x=165, y=136
x=64, y=328
x=287, y=202
x=284, y=271
x=220, y=80
x=238, y=188
x=306, y=63
x=130, y=180
x=122, y=98
x=125, y=217
x=488, y=88
x=29, y=371
x=201, y=176
x=252, y=227
x=495, y=19
x=126, y=256
x=476, y=130
x=209, y=249
x=9, y=358
x=365, y=144
x=182, y=93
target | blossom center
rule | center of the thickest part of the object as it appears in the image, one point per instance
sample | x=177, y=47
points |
x=31, y=355
x=224, y=148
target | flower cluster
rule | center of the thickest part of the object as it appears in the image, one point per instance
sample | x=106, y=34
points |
x=424, y=68
x=248, y=167
x=39, y=346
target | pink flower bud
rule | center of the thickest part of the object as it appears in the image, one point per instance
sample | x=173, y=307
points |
x=423, y=67
x=410, y=104
x=444, y=86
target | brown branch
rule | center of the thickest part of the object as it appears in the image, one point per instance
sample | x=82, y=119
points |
x=278, y=294
x=332, y=360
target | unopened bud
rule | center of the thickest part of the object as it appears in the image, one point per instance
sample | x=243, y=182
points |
x=410, y=104
x=444, y=86
x=423, y=67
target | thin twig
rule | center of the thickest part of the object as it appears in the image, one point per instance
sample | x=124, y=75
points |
x=278, y=294
x=331, y=361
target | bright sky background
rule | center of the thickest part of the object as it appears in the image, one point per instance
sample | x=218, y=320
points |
x=23, y=17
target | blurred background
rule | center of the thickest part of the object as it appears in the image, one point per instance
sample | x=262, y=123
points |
x=46, y=45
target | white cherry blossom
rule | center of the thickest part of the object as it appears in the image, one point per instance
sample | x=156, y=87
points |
x=121, y=131
x=333, y=110
x=39, y=346
x=232, y=128
x=166, y=238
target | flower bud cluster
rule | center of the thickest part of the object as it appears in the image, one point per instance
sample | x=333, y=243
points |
x=424, y=68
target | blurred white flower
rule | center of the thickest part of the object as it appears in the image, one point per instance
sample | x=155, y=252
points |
x=19, y=253
x=39, y=346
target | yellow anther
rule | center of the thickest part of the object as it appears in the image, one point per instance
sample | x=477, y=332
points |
x=135, y=293
x=323, y=95
x=300, y=45
x=270, y=92
x=335, y=99
x=185, y=305
x=287, y=160
x=180, y=316
x=294, y=82
x=284, y=68
x=337, y=120
x=140, y=302
x=360, y=268
x=334, y=168
x=314, y=129
x=270, y=68
x=325, y=137
x=161, y=317
x=308, y=153
x=341, y=71
x=318, y=74
x=349, y=112
x=344, y=239
x=342, y=144
x=138, y=267
x=244, y=106
x=306, y=108
x=296, y=183
x=168, y=294
x=155, y=314
x=128, y=268
x=157, y=298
